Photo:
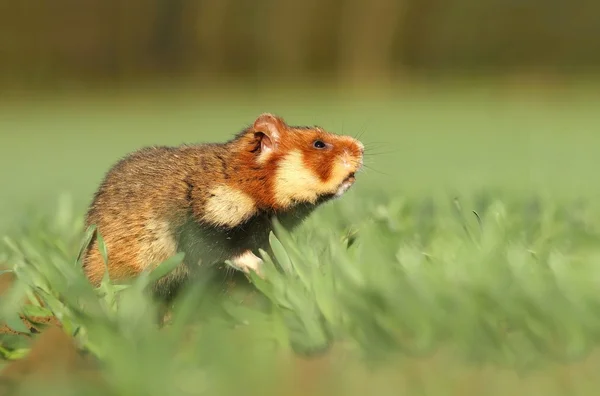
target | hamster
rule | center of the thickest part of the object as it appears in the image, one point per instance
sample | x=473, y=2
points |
x=214, y=201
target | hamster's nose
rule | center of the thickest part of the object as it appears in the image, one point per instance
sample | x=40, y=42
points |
x=361, y=147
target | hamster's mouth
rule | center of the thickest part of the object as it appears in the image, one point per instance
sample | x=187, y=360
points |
x=351, y=178
x=345, y=185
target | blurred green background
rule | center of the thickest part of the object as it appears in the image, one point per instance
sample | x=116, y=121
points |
x=448, y=95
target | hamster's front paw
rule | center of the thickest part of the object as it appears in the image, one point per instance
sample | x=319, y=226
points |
x=248, y=261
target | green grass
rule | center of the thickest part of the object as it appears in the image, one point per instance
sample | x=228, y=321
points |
x=464, y=262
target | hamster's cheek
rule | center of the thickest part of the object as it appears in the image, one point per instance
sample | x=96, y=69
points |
x=294, y=181
x=342, y=168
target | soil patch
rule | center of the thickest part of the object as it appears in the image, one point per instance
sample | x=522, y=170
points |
x=53, y=359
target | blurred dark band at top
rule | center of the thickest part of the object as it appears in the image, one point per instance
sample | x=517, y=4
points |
x=43, y=43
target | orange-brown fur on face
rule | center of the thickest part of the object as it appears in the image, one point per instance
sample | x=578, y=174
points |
x=295, y=171
x=214, y=201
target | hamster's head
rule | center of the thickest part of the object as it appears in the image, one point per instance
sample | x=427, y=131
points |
x=302, y=165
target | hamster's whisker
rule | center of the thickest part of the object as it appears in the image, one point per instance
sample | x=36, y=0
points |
x=360, y=134
x=381, y=152
x=368, y=144
x=377, y=145
x=375, y=170
x=362, y=129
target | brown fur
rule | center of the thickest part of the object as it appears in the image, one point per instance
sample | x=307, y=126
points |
x=214, y=201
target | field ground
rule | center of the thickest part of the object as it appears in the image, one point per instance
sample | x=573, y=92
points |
x=474, y=270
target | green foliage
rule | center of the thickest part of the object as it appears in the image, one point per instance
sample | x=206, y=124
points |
x=499, y=280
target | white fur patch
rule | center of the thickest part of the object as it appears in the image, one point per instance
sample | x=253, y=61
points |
x=228, y=206
x=247, y=261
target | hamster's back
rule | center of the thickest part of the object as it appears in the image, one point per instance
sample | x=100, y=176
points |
x=130, y=209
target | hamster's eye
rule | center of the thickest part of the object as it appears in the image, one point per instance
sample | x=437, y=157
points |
x=319, y=144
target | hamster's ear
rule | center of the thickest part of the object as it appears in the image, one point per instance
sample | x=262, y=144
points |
x=271, y=127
